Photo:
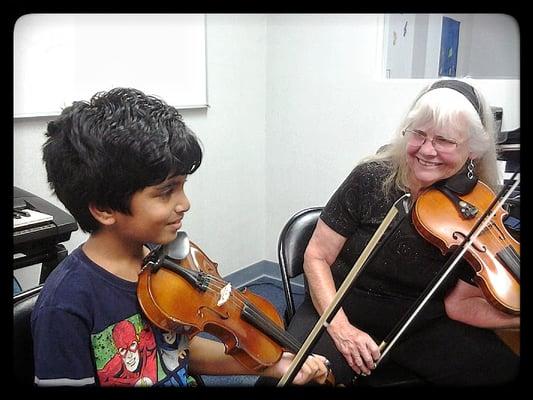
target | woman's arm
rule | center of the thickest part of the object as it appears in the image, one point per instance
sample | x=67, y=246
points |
x=321, y=252
x=356, y=346
x=207, y=357
x=467, y=304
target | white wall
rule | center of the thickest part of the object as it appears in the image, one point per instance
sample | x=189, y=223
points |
x=295, y=101
x=227, y=193
x=420, y=45
x=489, y=45
x=327, y=107
x=401, y=43
x=500, y=44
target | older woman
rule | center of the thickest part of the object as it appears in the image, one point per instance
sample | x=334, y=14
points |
x=447, y=132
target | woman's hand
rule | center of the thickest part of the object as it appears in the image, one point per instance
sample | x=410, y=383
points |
x=315, y=368
x=357, y=347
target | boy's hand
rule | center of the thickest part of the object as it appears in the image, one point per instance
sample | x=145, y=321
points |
x=315, y=368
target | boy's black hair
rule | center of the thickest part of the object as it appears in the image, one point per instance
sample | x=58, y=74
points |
x=121, y=141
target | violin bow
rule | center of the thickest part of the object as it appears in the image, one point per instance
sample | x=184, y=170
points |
x=386, y=345
x=400, y=206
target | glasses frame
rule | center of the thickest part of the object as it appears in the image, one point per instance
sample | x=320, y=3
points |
x=436, y=145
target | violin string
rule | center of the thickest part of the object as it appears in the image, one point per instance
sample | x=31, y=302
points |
x=505, y=255
x=220, y=284
x=215, y=290
x=287, y=337
x=491, y=226
x=509, y=187
x=494, y=232
x=494, y=235
x=493, y=240
x=239, y=301
x=265, y=324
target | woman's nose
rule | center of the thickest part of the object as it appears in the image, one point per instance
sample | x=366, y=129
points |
x=428, y=148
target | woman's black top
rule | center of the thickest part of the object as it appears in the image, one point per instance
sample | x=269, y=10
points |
x=398, y=273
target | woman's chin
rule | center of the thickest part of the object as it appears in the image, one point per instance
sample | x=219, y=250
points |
x=427, y=179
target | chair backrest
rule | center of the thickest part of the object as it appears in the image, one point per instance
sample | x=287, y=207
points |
x=292, y=243
x=23, y=304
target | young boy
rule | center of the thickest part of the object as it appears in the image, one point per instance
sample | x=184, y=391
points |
x=119, y=163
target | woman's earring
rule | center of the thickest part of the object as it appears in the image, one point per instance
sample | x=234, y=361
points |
x=470, y=167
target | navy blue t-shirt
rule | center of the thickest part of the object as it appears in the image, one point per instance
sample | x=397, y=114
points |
x=88, y=329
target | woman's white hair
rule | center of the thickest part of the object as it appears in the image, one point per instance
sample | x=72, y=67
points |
x=445, y=109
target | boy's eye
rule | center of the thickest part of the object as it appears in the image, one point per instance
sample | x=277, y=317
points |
x=170, y=187
x=166, y=192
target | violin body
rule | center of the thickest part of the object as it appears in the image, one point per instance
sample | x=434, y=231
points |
x=170, y=301
x=494, y=254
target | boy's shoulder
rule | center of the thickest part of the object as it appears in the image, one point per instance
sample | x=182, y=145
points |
x=66, y=281
x=78, y=282
x=79, y=288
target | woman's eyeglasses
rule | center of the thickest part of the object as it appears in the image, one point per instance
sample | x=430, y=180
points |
x=418, y=138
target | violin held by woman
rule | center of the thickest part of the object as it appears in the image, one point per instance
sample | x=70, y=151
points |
x=447, y=132
x=446, y=219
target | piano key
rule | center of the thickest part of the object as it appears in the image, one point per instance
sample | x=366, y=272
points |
x=29, y=240
x=33, y=218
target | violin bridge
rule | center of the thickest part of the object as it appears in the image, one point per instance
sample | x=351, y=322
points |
x=224, y=294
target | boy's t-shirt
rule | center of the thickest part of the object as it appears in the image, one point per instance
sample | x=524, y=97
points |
x=88, y=329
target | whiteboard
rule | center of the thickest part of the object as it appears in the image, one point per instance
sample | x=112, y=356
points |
x=61, y=58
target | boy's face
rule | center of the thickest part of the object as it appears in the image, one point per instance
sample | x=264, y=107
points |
x=156, y=212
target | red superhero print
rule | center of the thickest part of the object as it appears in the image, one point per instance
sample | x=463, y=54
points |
x=135, y=362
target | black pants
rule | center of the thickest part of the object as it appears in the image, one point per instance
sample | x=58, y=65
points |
x=439, y=351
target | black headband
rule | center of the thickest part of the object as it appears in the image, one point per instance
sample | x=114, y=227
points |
x=464, y=88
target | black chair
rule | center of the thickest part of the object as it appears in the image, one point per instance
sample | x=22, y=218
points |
x=23, y=304
x=292, y=243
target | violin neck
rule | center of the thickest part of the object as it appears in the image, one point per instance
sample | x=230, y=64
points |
x=255, y=317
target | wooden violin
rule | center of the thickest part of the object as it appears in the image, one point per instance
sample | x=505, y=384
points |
x=190, y=292
x=494, y=254
x=445, y=220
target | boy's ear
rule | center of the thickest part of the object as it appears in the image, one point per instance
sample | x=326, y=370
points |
x=105, y=216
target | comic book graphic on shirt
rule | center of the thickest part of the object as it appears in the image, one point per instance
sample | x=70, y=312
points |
x=127, y=354
x=173, y=355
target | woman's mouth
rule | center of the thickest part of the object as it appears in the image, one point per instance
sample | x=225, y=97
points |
x=428, y=163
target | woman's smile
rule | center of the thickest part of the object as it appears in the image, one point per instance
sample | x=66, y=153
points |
x=428, y=163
